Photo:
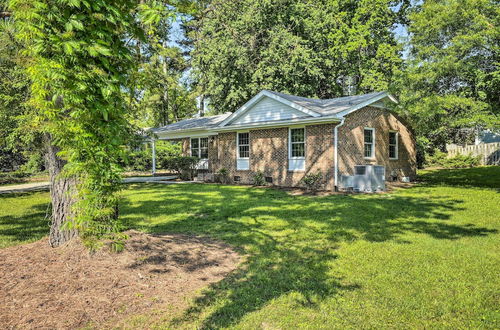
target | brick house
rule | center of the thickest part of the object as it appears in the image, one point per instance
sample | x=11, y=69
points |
x=286, y=137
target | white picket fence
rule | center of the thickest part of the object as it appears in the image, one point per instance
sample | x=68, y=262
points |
x=489, y=152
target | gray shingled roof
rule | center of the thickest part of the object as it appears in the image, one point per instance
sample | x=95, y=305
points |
x=327, y=107
x=193, y=123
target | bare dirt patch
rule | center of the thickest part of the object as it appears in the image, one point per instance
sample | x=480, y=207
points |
x=68, y=287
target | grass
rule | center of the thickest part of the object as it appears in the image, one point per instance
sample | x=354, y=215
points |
x=422, y=257
x=22, y=217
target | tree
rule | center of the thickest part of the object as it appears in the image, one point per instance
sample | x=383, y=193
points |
x=160, y=96
x=450, y=87
x=19, y=142
x=78, y=67
x=320, y=48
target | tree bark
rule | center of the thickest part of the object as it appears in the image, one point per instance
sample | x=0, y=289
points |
x=62, y=193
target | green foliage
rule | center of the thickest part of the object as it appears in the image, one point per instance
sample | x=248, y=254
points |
x=258, y=179
x=441, y=159
x=450, y=87
x=34, y=164
x=312, y=181
x=160, y=97
x=20, y=140
x=12, y=177
x=141, y=159
x=164, y=99
x=222, y=175
x=184, y=166
x=312, y=48
x=10, y=161
x=165, y=150
x=78, y=67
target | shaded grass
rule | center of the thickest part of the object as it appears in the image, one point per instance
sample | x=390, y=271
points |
x=22, y=217
x=477, y=177
x=426, y=256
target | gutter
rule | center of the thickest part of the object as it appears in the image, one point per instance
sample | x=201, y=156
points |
x=336, y=142
x=234, y=128
x=272, y=124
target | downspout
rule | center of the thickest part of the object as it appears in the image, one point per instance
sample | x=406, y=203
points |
x=336, y=142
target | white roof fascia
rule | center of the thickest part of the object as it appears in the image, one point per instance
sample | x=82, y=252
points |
x=271, y=124
x=179, y=134
x=366, y=103
x=244, y=108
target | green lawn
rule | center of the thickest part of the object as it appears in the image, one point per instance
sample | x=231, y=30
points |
x=22, y=217
x=422, y=257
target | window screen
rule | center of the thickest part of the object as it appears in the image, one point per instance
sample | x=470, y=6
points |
x=297, y=142
x=195, y=147
x=199, y=148
x=243, y=145
x=204, y=148
x=369, y=140
x=393, y=145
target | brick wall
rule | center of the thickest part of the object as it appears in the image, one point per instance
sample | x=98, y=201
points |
x=351, y=142
x=269, y=154
x=269, y=149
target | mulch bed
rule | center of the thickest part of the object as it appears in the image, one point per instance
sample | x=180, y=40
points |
x=68, y=287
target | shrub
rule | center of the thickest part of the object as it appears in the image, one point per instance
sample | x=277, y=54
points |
x=185, y=167
x=462, y=161
x=166, y=150
x=12, y=177
x=34, y=165
x=141, y=160
x=258, y=179
x=441, y=159
x=222, y=176
x=312, y=181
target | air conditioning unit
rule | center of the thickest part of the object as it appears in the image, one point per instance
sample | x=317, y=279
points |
x=346, y=182
x=369, y=178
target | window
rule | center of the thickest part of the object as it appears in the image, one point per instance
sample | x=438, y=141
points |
x=243, y=145
x=199, y=147
x=195, y=147
x=297, y=143
x=204, y=148
x=393, y=145
x=369, y=139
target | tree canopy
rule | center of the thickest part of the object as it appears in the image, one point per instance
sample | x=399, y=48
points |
x=310, y=48
x=451, y=85
x=19, y=140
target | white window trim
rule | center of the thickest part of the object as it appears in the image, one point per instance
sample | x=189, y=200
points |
x=199, y=146
x=290, y=142
x=373, y=142
x=397, y=146
x=238, y=145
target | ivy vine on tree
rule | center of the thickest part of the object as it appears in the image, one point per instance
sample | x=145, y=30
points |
x=79, y=64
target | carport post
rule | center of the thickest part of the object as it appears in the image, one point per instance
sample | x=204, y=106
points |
x=153, y=147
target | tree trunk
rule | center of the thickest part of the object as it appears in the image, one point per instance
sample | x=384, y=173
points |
x=62, y=193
